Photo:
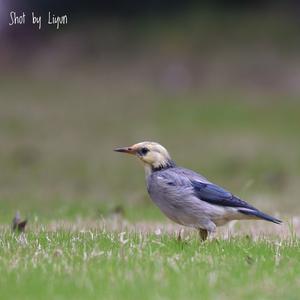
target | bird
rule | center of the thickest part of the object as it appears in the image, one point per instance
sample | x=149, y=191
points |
x=188, y=198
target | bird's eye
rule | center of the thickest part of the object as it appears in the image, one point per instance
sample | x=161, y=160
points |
x=144, y=151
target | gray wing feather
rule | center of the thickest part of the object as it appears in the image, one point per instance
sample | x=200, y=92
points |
x=214, y=194
x=202, y=188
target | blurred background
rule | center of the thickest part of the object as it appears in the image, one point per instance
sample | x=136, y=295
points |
x=216, y=82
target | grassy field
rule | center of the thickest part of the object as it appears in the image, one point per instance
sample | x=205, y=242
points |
x=103, y=264
x=222, y=98
x=57, y=165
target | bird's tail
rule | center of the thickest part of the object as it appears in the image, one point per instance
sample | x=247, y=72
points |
x=260, y=215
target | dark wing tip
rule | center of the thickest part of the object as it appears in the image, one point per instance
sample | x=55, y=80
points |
x=260, y=215
x=277, y=221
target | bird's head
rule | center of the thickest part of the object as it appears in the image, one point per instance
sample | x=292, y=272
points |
x=153, y=155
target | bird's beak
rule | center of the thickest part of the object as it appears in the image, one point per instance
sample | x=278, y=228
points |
x=128, y=150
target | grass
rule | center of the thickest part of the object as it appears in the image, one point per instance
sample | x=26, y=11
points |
x=129, y=265
x=57, y=164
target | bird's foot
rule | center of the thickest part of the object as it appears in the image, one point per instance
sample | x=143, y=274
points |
x=203, y=233
x=179, y=238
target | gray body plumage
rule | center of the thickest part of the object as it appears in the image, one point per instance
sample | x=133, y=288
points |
x=190, y=199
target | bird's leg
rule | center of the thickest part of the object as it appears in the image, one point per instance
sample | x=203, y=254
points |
x=203, y=233
x=179, y=239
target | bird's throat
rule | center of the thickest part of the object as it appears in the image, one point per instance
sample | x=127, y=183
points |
x=149, y=169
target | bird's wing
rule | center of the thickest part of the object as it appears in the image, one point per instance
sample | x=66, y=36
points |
x=214, y=194
x=205, y=190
